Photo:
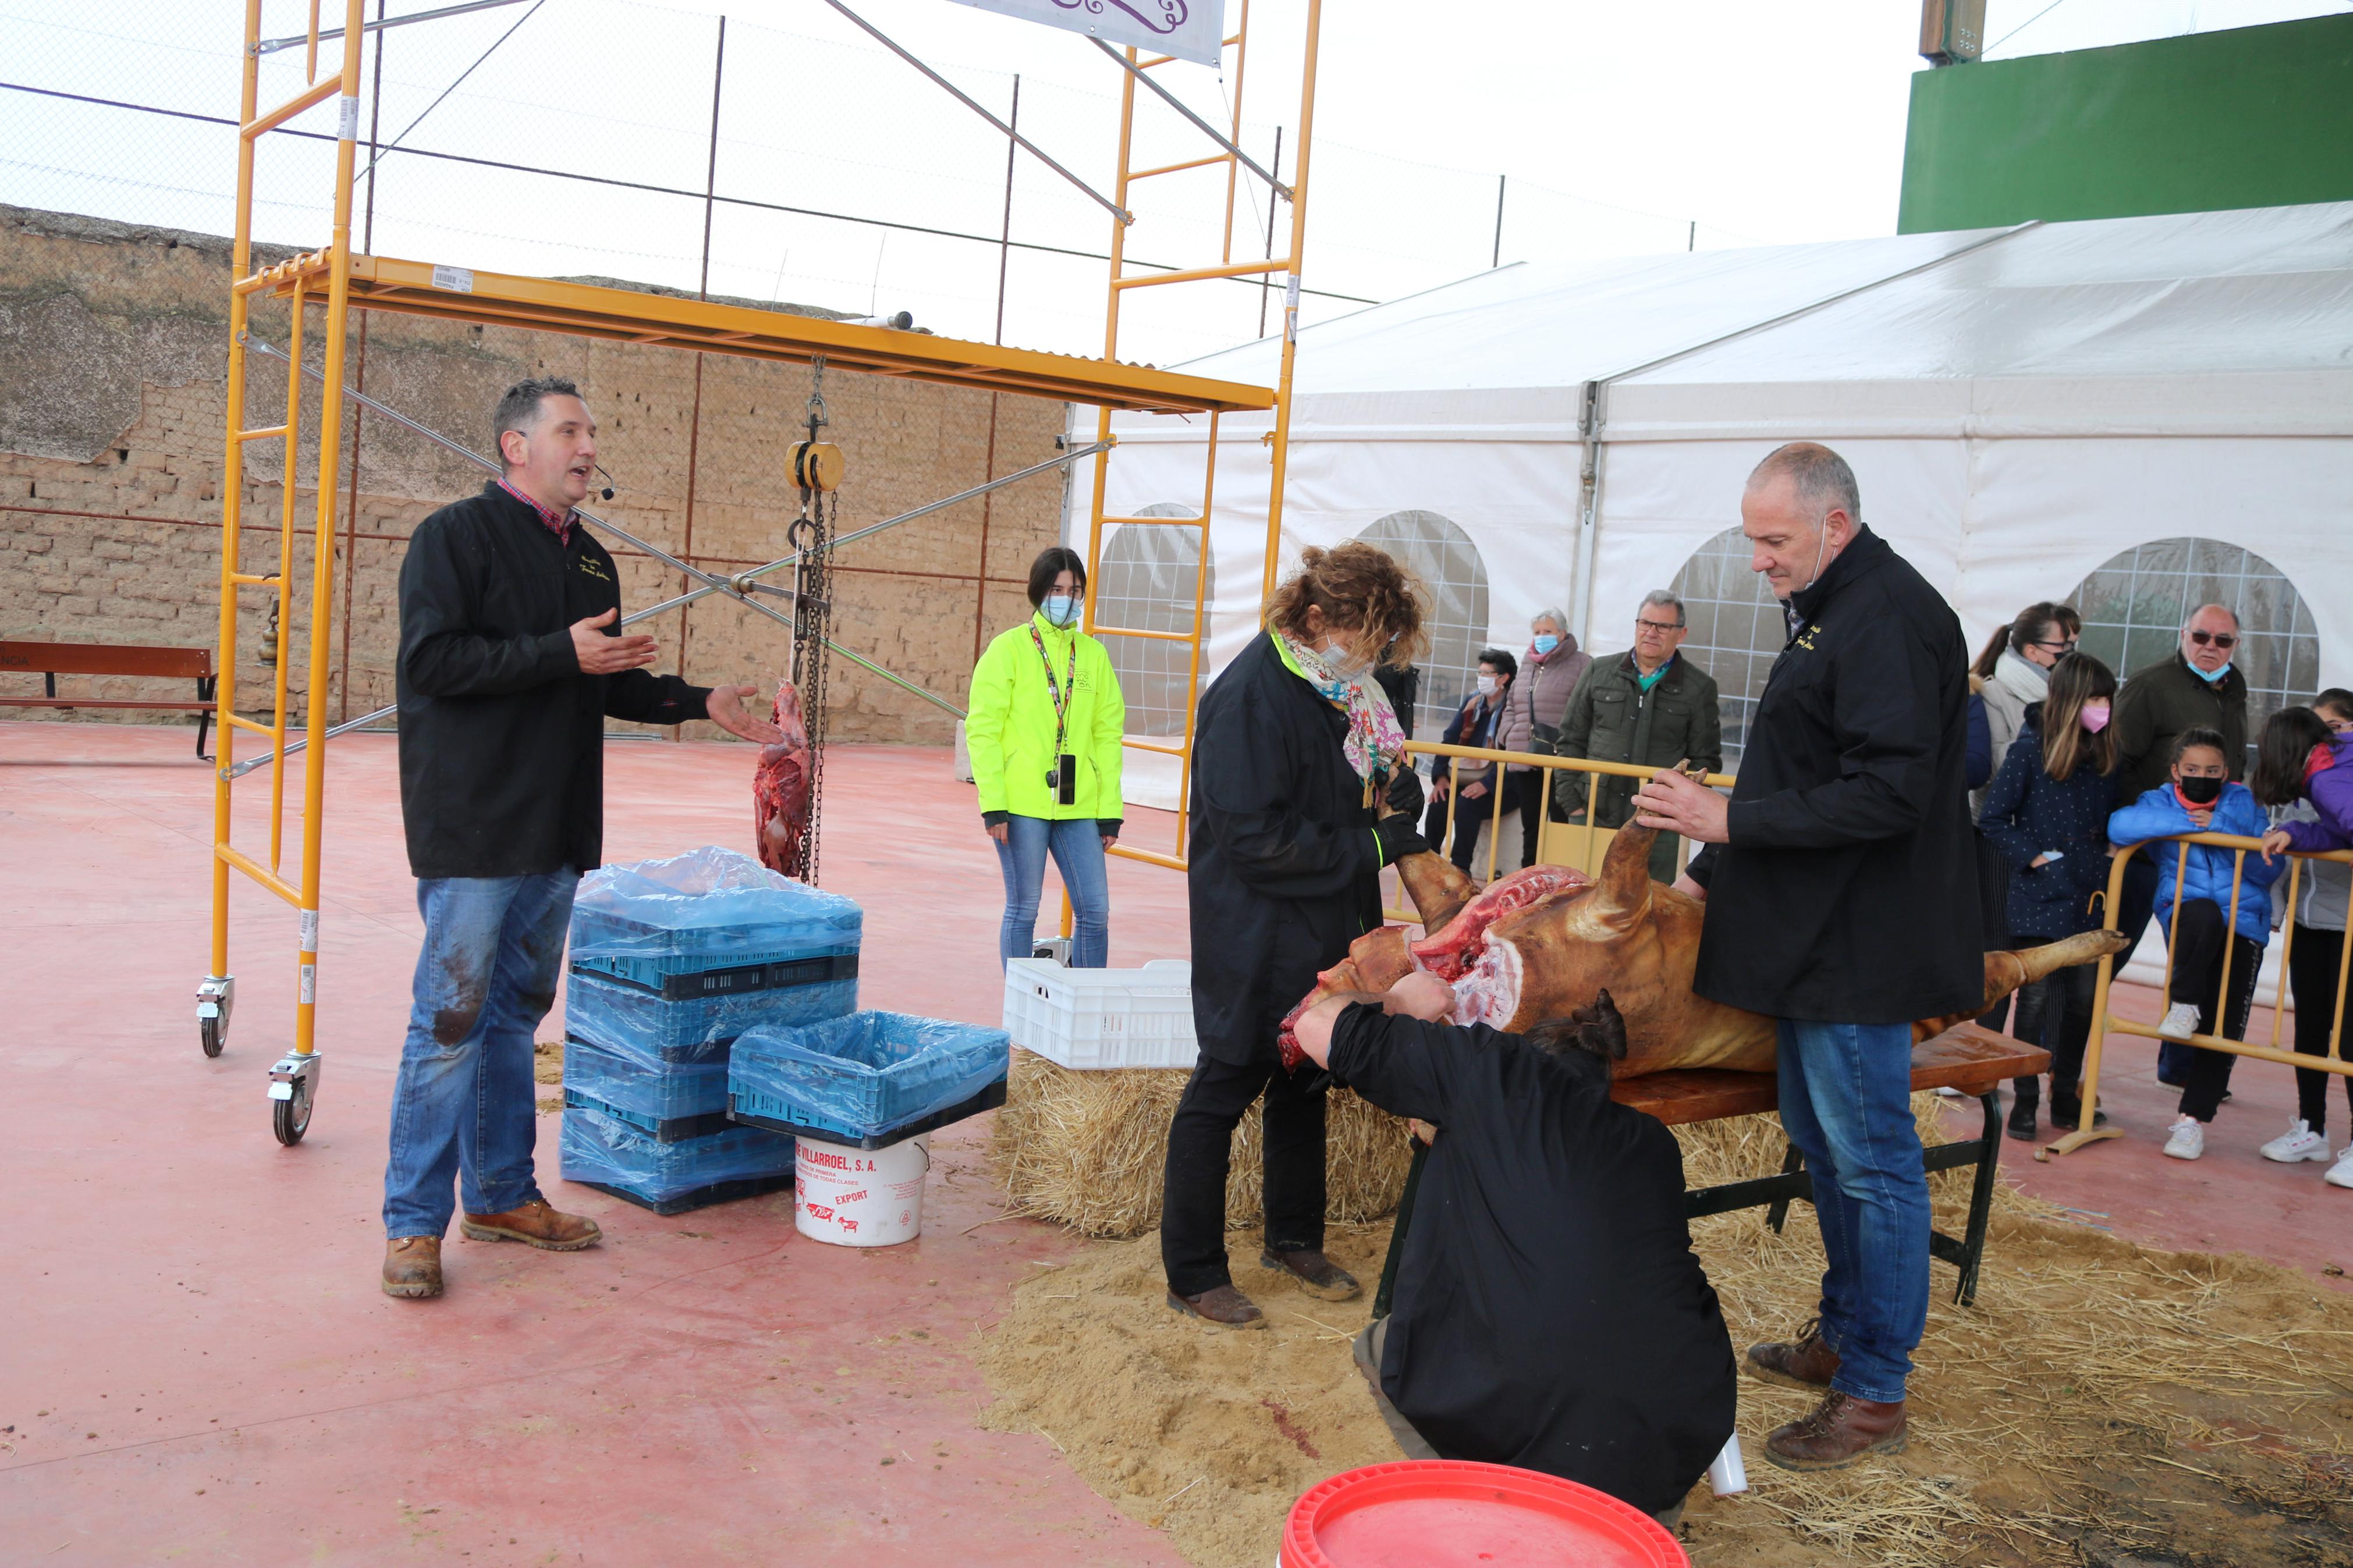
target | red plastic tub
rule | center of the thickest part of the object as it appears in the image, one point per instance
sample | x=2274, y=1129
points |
x=1448, y=1513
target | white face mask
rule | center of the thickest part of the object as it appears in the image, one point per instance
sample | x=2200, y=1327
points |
x=1486, y=685
x=1343, y=662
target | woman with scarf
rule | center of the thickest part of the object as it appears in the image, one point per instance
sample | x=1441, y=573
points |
x=1301, y=795
x=2013, y=671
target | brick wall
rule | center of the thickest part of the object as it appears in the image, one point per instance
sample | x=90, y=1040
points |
x=112, y=386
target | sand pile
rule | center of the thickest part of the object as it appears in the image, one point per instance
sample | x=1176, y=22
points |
x=2101, y=1403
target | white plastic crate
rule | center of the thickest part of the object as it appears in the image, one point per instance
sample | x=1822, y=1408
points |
x=1103, y=1017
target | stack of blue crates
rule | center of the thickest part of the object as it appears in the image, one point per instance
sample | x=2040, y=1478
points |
x=866, y=1080
x=671, y=961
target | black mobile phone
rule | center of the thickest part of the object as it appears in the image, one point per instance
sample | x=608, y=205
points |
x=1065, y=779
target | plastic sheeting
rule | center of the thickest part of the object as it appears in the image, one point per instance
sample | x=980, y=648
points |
x=867, y=1073
x=613, y=1153
x=707, y=909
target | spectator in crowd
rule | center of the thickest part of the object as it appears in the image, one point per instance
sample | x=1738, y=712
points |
x=1651, y=706
x=2197, y=687
x=1479, y=723
x=1832, y=878
x=1044, y=727
x=2194, y=892
x=2046, y=814
x=2305, y=766
x=1549, y=672
x=2014, y=669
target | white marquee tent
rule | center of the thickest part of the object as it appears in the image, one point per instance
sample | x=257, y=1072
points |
x=2131, y=412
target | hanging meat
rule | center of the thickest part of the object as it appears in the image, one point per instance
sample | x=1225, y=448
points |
x=781, y=787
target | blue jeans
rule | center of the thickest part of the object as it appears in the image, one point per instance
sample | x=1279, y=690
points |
x=1846, y=1104
x=462, y=1106
x=1077, y=845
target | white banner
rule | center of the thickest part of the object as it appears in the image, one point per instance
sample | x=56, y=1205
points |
x=1189, y=29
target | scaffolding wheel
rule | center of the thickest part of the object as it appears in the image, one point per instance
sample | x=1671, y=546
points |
x=215, y=998
x=293, y=1089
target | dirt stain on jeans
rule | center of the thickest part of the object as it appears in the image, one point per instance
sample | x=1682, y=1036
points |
x=452, y=1024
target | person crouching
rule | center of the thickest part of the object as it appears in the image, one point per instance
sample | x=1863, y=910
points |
x=1549, y=1312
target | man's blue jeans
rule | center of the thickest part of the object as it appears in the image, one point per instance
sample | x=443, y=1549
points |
x=1077, y=845
x=462, y=1106
x=1846, y=1104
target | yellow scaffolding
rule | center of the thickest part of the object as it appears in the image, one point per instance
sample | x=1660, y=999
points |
x=332, y=280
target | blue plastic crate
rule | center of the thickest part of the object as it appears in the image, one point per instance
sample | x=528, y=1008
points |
x=609, y=1153
x=634, y=1022
x=864, y=1074
x=656, y=1096
x=706, y=911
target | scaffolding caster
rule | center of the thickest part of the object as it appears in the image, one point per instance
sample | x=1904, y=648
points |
x=215, y=999
x=294, y=1085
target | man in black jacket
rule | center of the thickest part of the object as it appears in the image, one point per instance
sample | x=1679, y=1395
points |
x=1842, y=899
x=510, y=662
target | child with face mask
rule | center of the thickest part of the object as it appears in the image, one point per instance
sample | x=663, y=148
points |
x=2046, y=814
x=2194, y=901
x=2304, y=770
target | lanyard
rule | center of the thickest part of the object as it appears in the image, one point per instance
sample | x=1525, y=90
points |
x=1062, y=697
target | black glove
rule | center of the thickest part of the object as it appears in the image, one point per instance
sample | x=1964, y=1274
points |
x=1405, y=795
x=1398, y=839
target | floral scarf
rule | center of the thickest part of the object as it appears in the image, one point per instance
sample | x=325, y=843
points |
x=1375, y=741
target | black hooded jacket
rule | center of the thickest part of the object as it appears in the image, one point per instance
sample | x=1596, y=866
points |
x=501, y=737
x=1848, y=891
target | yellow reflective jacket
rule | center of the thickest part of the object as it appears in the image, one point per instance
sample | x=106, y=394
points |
x=1009, y=730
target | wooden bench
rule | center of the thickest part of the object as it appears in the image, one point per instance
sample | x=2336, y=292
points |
x=1973, y=1060
x=56, y=659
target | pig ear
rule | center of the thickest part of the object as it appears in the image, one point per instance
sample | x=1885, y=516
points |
x=1621, y=895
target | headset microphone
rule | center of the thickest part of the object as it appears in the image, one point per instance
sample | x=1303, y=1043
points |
x=608, y=491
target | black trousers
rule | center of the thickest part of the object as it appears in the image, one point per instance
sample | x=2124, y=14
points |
x=1535, y=799
x=1200, y=1153
x=2055, y=1012
x=2312, y=963
x=1466, y=837
x=2199, y=938
x=2135, y=906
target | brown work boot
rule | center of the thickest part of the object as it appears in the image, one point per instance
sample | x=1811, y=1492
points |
x=535, y=1223
x=412, y=1266
x=1308, y=1268
x=1225, y=1306
x=1807, y=1363
x=1836, y=1433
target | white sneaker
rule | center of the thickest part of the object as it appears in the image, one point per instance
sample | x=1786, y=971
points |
x=2189, y=1138
x=2180, y=1021
x=2297, y=1143
x=2340, y=1174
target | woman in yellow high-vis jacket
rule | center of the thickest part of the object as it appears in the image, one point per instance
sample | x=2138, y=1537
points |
x=1043, y=730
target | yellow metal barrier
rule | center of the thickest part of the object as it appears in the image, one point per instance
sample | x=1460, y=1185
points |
x=2104, y=1024
x=1590, y=842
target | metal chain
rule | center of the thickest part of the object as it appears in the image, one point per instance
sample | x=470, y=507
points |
x=812, y=621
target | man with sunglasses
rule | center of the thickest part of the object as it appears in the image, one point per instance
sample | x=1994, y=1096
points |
x=2198, y=687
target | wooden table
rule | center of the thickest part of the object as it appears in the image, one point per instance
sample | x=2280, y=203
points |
x=1973, y=1060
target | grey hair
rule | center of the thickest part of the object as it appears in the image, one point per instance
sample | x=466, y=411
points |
x=1823, y=481
x=519, y=408
x=2201, y=609
x=1662, y=596
x=1554, y=616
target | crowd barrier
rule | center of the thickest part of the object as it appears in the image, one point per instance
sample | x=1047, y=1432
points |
x=2284, y=893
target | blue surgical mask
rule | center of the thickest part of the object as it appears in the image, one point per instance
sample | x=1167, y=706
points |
x=1546, y=642
x=2209, y=675
x=1060, y=610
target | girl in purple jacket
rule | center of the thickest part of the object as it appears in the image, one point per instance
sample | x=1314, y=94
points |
x=2307, y=756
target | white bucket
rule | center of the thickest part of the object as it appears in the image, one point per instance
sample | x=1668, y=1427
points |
x=860, y=1198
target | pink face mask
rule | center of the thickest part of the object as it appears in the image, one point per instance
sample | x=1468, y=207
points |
x=2095, y=717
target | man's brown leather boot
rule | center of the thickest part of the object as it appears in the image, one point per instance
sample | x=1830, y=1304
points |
x=1225, y=1306
x=1312, y=1272
x=535, y=1223
x=1805, y=1363
x=1837, y=1432
x=412, y=1266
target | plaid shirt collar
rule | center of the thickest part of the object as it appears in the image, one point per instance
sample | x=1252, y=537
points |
x=558, y=524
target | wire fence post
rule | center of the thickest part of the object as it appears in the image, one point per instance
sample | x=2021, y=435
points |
x=702, y=291
x=1497, y=258
x=988, y=464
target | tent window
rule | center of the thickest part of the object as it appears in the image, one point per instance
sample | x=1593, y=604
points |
x=2134, y=606
x=1737, y=630
x=1146, y=582
x=1448, y=565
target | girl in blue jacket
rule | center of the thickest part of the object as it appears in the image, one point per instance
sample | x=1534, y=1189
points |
x=2201, y=799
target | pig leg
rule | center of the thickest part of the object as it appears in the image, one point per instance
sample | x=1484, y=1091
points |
x=2006, y=971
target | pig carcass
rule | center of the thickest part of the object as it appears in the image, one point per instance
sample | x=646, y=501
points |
x=780, y=788
x=1544, y=943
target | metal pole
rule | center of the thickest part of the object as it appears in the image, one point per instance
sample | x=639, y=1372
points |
x=1266, y=286
x=272, y=45
x=988, y=464
x=694, y=417
x=1291, y=303
x=359, y=380
x=1497, y=258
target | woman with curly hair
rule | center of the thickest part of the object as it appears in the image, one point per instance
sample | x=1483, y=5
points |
x=1301, y=795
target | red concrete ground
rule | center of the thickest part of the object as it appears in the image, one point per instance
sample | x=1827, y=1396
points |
x=197, y=1366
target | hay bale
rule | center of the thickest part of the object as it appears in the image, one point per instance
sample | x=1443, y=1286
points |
x=1087, y=1148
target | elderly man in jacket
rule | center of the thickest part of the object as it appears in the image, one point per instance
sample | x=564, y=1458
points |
x=511, y=660
x=1840, y=888
x=1650, y=706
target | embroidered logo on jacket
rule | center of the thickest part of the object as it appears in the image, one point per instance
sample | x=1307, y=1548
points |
x=594, y=568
